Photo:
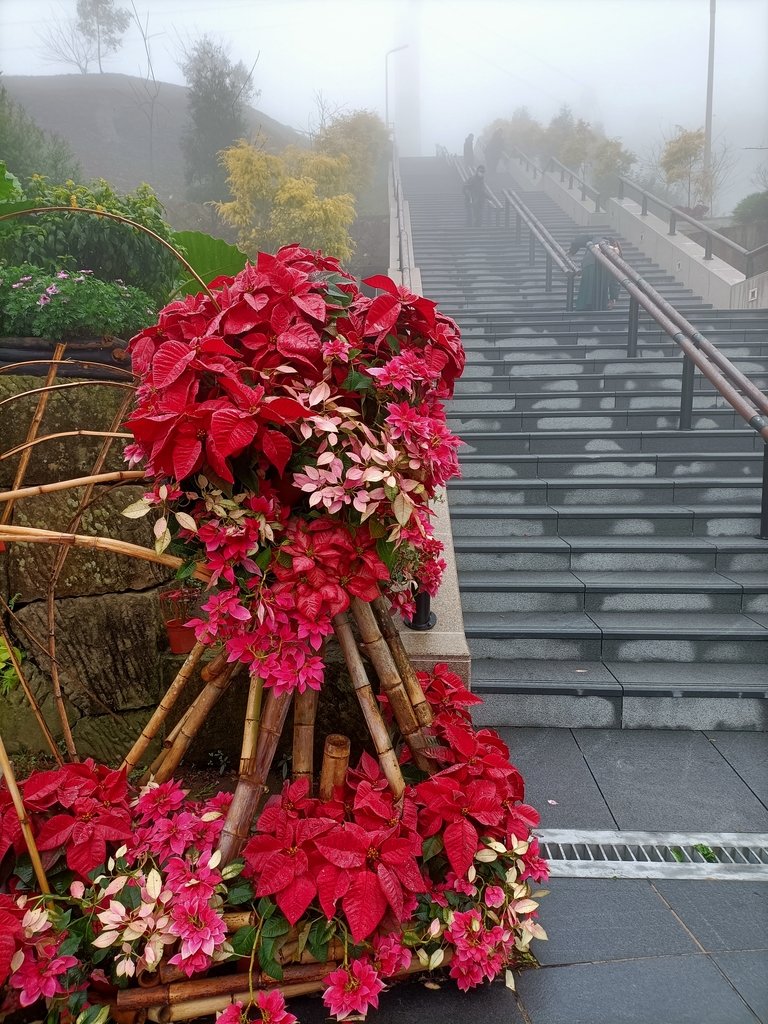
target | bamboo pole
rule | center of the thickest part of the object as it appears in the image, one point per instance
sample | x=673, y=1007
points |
x=48, y=388
x=172, y=694
x=34, y=426
x=32, y=535
x=66, y=485
x=214, y=667
x=203, y=705
x=369, y=705
x=54, y=437
x=390, y=632
x=21, y=813
x=375, y=646
x=251, y=788
x=167, y=744
x=85, y=364
x=304, y=715
x=251, y=725
x=32, y=700
x=335, y=764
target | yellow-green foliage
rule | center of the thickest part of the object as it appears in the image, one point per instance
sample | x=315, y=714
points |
x=300, y=196
x=362, y=137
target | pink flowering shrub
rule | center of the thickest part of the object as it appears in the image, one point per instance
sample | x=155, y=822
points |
x=445, y=877
x=295, y=434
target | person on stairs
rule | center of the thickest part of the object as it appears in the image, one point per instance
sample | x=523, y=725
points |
x=469, y=151
x=597, y=288
x=475, y=198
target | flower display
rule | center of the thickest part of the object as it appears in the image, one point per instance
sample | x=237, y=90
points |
x=295, y=435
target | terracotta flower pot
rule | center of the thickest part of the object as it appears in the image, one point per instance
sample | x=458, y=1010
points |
x=179, y=602
x=181, y=638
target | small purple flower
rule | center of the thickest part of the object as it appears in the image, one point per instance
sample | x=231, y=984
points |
x=52, y=289
x=86, y=271
x=43, y=300
x=79, y=279
x=25, y=279
x=62, y=275
x=19, y=284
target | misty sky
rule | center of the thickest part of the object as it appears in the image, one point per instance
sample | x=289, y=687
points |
x=638, y=67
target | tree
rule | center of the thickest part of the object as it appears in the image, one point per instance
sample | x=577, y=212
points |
x=28, y=150
x=362, y=137
x=218, y=92
x=608, y=161
x=103, y=24
x=681, y=161
x=64, y=43
x=298, y=196
x=752, y=208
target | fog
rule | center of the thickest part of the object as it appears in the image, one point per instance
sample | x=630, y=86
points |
x=636, y=67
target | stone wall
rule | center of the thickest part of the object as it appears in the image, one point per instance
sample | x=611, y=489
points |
x=109, y=636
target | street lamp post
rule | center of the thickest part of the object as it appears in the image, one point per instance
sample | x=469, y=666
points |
x=387, y=55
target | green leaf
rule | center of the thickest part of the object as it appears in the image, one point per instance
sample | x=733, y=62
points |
x=185, y=571
x=265, y=908
x=209, y=257
x=677, y=853
x=94, y=1015
x=320, y=934
x=706, y=852
x=240, y=893
x=431, y=847
x=386, y=552
x=272, y=968
x=243, y=939
x=69, y=946
x=10, y=186
x=356, y=381
x=275, y=927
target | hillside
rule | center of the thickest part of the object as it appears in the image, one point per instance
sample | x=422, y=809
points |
x=105, y=119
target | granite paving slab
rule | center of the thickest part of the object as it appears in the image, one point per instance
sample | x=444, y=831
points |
x=722, y=916
x=554, y=769
x=747, y=753
x=661, y=780
x=654, y=990
x=748, y=973
x=595, y=919
x=409, y=1001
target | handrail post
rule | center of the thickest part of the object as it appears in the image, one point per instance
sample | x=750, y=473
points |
x=764, y=500
x=518, y=227
x=424, y=618
x=644, y=207
x=686, y=393
x=634, y=320
x=506, y=212
x=548, y=276
x=620, y=196
x=749, y=266
x=531, y=248
x=672, y=222
x=583, y=192
x=707, y=247
x=569, y=293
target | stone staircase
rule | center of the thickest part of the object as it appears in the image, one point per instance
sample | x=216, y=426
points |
x=609, y=563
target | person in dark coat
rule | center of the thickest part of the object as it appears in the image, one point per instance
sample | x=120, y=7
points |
x=494, y=151
x=597, y=288
x=469, y=150
x=475, y=197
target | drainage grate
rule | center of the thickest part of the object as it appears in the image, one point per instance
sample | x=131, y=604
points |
x=581, y=853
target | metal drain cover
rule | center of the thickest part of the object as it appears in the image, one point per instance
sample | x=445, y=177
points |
x=581, y=853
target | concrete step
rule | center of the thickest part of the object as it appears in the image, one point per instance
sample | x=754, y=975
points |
x=562, y=443
x=580, y=590
x=604, y=491
x=634, y=636
x=483, y=421
x=615, y=521
x=732, y=556
x=628, y=466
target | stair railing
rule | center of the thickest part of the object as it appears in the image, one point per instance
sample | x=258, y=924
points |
x=587, y=191
x=404, y=243
x=741, y=393
x=554, y=253
x=742, y=259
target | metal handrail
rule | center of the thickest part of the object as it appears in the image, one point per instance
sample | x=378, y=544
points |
x=404, y=254
x=587, y=191
x=698, y=352
x=523, y=158
x=675, y=215
x=554, y=252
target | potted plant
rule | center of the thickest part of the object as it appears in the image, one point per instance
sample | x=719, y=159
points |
x=179, y=601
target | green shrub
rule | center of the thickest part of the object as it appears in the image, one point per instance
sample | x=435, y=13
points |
x=69, y=305
x=113, y=251
x=752, y=208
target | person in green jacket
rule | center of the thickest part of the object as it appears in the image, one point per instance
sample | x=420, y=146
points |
x=597, y=288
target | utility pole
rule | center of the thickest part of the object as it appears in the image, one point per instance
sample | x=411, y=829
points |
x=708, y=118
